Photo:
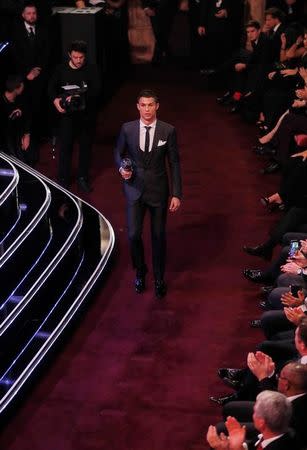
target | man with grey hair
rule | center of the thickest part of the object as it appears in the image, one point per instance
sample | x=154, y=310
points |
x=271, y=417
x=292, y=382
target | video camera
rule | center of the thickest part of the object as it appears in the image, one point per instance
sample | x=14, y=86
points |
x=73, y=98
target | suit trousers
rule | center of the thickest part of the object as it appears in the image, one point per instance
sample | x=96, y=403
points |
x=291, y=124
x=71, y=126
x=293, y=219
x=135, y=217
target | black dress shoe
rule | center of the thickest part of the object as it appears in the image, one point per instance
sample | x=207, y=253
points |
x=234, y=384
x=264, y=150
x=266, y=290
x=139, y=284
x=261, y=250
x=235, y=108
x=272, y=168
x=271, y=206
x=255, y=323
x=264, y=305
x=84, y=185
x=224, y=98
x=160, y=289
x=254, y=275
x=233, y=374
x=207, y=72
x=224, y=399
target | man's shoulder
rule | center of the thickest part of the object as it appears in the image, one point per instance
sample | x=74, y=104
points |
x=130, y=125
x=165, y=125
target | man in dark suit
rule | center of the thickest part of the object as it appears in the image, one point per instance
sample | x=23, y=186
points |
x=274, y=18
x=292, y=382
x=30, y=54
x=147, y=144
x=247, y=70
x=271, y=417
x=214, y=26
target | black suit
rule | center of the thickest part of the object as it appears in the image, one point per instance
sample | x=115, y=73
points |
x=218, y=33
x=27, y=53
x=243, y=411
x=148, y=188
x=285, y=442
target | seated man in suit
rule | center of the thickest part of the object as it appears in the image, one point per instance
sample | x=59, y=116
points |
x=271, y=417
x=148, y=144
x=248, y=71
x=292, y=382
x=280, y=351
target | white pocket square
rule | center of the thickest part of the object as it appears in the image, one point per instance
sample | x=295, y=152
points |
x=161, y=143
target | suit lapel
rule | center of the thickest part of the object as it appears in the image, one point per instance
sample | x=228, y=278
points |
x=156, y=136
x=136, y=135
x=154, y=144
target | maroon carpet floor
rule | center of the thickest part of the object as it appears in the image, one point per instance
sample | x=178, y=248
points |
x=136, y=373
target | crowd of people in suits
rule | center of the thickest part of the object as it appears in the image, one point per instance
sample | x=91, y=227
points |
x=33, y=81
x=267, y=85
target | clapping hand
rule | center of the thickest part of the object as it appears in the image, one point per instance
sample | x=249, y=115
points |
x=260, y=364
x=217, y=441
x=236, y=433
x=287, y=299
x=291, y=267
x=294, y=314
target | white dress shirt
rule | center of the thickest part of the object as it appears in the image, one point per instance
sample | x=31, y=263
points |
x=143, y=133
x=29, y=27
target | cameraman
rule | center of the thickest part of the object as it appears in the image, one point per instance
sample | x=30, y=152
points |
x=14, y=119
x=76, y=109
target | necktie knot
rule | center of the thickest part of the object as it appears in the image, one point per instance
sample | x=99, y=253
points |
x=31, y=32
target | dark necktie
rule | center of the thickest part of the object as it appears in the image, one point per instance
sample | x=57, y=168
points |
x=31, y=33
x=147, y=140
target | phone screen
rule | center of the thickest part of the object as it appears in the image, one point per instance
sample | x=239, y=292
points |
x=294, y=247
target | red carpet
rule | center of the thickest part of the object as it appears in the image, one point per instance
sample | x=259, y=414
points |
x=136, y=374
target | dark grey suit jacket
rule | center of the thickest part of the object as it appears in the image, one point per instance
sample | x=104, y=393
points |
x=150, y=174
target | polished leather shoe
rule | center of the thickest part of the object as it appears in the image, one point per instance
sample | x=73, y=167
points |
x=234, y=384
x=235, y=108
x=255, y=323
x=224, y=98
x=207, y=72
x=160, y=289
x=272, y=168
x=254, y=275
x=264, y=305
x=224, y=399
x=271, y=206
x=260, y=250
x=266, y=290
x=139, y=284
x=264, y=150
x=84, y=185
x=232, y=374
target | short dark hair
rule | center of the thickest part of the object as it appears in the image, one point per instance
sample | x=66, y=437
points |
x=13, y=82
x=28, y=4
x=297, y=375
x=148, y=93
x=253, y=24
x=78, y=46
x=276, y=13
